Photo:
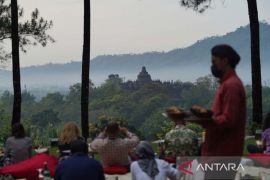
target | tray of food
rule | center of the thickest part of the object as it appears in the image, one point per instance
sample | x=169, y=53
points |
x=201, y=112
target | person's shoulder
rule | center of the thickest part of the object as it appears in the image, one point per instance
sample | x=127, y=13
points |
x=90, y=161
x=77, y=159
x=134, y=164
x=174, y=130
x=233, y=84
x=234, y=80
x=191, y=132
x=162, y=163
x=64, y=163
x=266, y=132
x=169, y=134
x=28, y=139
x=11, y=138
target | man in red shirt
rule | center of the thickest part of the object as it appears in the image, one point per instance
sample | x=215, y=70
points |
x=226, y=131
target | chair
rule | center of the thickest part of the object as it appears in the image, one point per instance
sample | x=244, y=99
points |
x=115, y=170
x=260, y=159
x=28, y=168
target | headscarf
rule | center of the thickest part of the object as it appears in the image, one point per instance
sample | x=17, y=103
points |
x=147, y=160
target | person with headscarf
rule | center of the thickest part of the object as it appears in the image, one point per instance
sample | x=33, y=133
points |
x=150, y=168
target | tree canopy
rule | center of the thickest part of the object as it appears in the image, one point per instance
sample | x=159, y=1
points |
x=197, y=5
x=31, y=32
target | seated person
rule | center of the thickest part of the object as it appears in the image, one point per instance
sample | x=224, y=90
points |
x=79, y=165
x=263, y=147
x=69, y=133
x=150, y=168
x=114, y=150
x=18, y=147
x=180, y=141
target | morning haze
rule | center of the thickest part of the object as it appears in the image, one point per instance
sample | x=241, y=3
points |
x=131, y=26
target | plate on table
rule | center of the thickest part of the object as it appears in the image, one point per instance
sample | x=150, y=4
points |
x=41, y=150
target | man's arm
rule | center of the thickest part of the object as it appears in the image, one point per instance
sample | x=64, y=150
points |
x=97, y=144
x=131, y=139
x=231, y=107
x=171, y=173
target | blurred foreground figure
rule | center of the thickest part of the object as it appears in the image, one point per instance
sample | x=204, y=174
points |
x=225, y=131
x=79, y=165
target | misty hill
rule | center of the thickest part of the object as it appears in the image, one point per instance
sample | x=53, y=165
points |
x=185, y=64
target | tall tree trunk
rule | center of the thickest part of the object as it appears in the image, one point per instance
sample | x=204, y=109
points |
x=16, y=116
x=255, y=61
x=85, y=71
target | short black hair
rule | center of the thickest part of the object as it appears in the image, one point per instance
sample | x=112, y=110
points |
x=226, y=51
x=112, y=128
x=18, y=130
x=78, y=146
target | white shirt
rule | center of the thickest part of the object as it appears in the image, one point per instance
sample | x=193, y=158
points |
x=165, y=171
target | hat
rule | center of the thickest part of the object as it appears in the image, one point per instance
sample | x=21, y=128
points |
x=174, y=113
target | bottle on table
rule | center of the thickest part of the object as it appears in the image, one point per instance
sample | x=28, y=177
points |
x=46, y=172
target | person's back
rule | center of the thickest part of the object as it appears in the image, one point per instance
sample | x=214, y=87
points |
x=112, y=149
x=79, y=165
x=181, y=141
x=18, y=147
x=165, y=171
x=115, y=152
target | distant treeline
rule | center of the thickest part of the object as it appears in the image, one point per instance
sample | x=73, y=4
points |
x=140, y=109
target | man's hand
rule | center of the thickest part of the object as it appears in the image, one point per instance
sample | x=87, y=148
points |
x=259, y=144
x=102, y=135
x=124, y=130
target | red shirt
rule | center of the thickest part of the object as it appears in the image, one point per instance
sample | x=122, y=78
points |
x=225, y=135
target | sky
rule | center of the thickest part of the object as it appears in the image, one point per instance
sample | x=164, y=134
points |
x=131, y=26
